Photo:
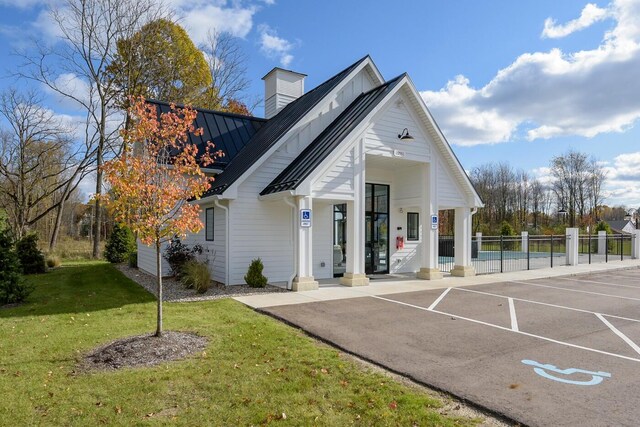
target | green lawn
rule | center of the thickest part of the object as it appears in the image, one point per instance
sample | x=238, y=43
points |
x=253, y=371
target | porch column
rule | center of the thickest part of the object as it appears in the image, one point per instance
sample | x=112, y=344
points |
x=304, y=279
x=355, y=274
x=429, y=206
x=462, y=255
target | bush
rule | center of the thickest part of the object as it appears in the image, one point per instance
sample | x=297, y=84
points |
x=119, y=245
x=254, y=276
x=133, y=259
x=178, y=254
x=53, y=261
x=31, y=258
x=196, y=275
x=12, y=288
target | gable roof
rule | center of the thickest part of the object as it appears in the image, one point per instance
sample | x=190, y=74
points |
x=619, y=225
x=274, y=129
x=229, y=132
x=329, y=139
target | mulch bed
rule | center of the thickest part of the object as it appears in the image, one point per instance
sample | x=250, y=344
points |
x=172, y=290
x=144, y=350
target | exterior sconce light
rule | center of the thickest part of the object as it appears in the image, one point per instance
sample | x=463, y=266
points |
x=405, y=136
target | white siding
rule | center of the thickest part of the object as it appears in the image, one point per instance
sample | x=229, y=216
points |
x=449, y=193
x=338, y=180
x=213, y=252
x=147, y=259
x=322, y=240
x=382, y=138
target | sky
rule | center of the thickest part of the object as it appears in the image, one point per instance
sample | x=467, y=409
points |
x=507, y=81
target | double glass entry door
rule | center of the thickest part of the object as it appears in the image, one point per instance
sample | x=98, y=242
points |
x=376, y=232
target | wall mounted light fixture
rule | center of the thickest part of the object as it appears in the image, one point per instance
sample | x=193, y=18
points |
x=405, y=136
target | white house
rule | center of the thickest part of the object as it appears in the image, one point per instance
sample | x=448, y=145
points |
x=343, y=180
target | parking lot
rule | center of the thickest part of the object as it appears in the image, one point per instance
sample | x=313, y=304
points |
x=557, y=351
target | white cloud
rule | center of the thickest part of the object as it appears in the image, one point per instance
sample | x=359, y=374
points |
x=198, y=19
x=543, y=95
x=589, y=16
x=275, y=47
x=623, y=175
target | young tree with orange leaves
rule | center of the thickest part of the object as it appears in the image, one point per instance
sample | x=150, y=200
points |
x=156, y=175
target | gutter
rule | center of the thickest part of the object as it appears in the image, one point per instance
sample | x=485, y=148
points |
x=216, y=202
x=290, y=201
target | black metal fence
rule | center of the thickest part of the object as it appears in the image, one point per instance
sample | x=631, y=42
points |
x=500, y=254
x=608, y=247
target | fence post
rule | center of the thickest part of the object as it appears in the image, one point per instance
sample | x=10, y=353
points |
x=589, y=246
x=602, y=242
x=479, y=240
x=501, y=253
x=571, y=244
x=635, y=244
x=621, y=247
x=525, y=241
x=552, y=251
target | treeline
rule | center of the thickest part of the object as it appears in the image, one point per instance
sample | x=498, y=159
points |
x=107, y=52
x=571, y=195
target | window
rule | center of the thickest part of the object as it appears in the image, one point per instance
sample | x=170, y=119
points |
x=208, y=227
x=413, y=224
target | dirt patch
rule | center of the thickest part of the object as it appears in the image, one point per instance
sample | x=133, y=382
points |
x=144, y=350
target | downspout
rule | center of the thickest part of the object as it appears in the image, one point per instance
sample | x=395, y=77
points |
x=294, y=229
x=216, y=202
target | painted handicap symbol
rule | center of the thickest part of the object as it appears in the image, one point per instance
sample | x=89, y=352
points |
x=544, y=369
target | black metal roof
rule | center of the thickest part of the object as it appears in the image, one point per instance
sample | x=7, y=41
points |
x=229, y=132
x=329, y=139
x=275, y=128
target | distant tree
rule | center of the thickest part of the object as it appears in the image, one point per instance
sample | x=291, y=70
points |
x=156, y=176
x=228, y=70
x=76, y=67
x=40, y=165
x=161, y=61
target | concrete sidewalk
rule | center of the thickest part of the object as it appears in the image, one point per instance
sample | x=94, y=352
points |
x=337, y=292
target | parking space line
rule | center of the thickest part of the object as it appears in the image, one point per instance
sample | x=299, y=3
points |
x=619, y=333
x=567, y=344
x=512, y=313
x=437, y=301
x=574, y=290
x=547, y=304
x=599, y=283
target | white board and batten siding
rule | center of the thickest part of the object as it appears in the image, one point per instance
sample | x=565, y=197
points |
x=450, y=195
x=337, y=181
x=381, y=139
x=213, y=251
x=322, y=239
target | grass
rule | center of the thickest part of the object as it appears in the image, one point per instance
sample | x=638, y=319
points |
x=70, y=249
x=253, y=371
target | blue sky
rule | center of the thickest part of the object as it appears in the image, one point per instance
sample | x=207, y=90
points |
x=515, y=81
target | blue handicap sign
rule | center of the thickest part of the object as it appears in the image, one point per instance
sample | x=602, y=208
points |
x=306, y=214
x=305, y=217
x=547, y=371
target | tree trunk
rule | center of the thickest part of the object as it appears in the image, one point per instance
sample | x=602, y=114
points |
x=56, y=227
x=97, y=208
x=159, y=282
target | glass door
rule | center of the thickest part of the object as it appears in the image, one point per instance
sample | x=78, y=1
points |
x=377, y=229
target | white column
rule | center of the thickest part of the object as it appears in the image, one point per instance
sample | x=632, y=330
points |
x=429, y=200
x=525, y=241
x=462, y=237
x=304, y=279
x=355, y=274
x=572, y=245
x=602, y=242
x=479, y=240
x=635, y=244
